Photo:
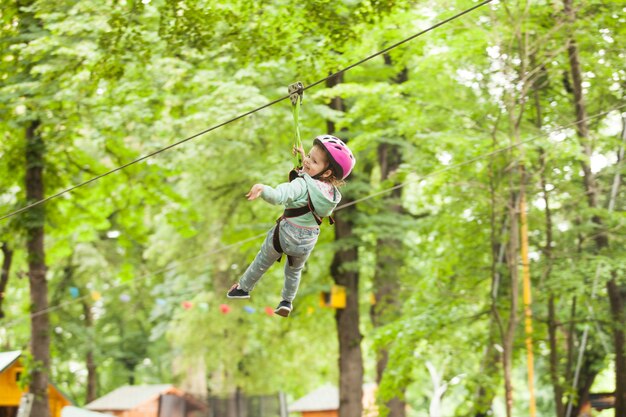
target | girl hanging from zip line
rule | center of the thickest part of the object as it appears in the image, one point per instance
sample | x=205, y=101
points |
x=311, y=195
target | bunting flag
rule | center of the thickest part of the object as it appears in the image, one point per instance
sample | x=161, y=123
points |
x=74, y=292
x=187, y=304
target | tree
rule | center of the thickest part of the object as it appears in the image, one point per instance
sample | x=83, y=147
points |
x=615, y=293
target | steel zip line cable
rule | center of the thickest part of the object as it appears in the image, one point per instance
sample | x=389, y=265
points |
x=241, y=116
x=368, y=197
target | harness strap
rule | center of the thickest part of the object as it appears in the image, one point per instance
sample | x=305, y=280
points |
x=296, y=212
x=301, y=211
x=293, y=174
x=276, y=242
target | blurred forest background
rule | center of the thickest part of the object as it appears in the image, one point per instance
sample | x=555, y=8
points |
x=490, y=144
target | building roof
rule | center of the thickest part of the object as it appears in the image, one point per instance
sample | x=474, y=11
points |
x=323, y=398
x=326, y=398
x=70, y=411
x=7, y=358
x=128, y=397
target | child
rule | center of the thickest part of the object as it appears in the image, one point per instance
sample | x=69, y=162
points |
x=313, y=194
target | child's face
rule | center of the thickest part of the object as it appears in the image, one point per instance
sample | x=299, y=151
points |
x=315, y=162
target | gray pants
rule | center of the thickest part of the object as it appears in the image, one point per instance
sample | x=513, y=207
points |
x=297, y=242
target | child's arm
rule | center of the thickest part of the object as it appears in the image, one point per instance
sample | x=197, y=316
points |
x=282, y=194
x=255, y=192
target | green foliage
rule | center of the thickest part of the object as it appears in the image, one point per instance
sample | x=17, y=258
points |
x=110, y=82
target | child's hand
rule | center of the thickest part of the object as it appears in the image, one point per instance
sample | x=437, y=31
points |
x=298, y=150
x=255, y=192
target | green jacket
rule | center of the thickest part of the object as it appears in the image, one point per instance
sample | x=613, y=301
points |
x=296, y=193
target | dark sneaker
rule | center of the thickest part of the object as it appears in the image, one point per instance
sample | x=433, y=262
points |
x=283, y=309
x=236, y=292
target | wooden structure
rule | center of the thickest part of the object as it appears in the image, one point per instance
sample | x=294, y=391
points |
x=598, y=402
x=11, y=369
x=238, y=404
x=149, y=401
x=324, y=402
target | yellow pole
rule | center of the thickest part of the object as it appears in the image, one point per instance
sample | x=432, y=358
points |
x=528, y=316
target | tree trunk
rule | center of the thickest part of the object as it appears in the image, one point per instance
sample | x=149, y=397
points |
x=512, y=258
x=396, y=406
x=582, y=129
x=553, y=325
x=7, y=259
x=486, y=391
x=344, y=271
x=388, y=261
x=387, y=306
x=439, y=388
x=554, y=359
x=617, y=297
x=616, y=294
x=527, y=297
x=585, y=381
x=40, y=339
x=350, y=357
x=92, y=376
x=509, y=336
x=570, y=341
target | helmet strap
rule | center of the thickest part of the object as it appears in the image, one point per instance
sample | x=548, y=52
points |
x=319, y=176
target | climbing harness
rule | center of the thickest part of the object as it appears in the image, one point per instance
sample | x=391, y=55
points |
x=294, y=212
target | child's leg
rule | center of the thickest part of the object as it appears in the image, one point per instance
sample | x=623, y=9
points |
x=292, y=277
x=264, y=259
x=297, y=242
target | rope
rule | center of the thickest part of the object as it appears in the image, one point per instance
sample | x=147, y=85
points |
x=341, y=207
x=96, y=178
x=298, y=142
x=295, y=91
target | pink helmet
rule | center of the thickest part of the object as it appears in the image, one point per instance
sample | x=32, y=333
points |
x=340, y=155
